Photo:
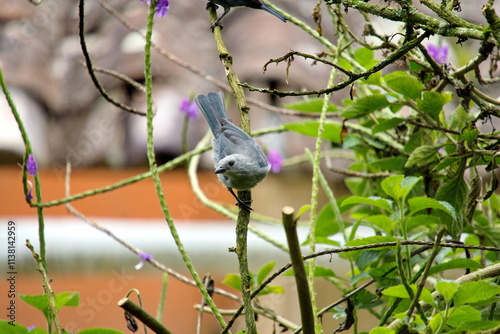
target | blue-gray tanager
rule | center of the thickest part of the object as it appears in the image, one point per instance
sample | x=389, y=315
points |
x=257, y=4
x=239, y=162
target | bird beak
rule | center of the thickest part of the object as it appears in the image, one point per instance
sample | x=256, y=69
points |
x=220, y=170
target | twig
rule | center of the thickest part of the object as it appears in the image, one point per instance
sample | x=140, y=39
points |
x=405, y=48
x=143, y=316
x=156, y=264
x=299, y=270
x=425, y=274
x=88, y=61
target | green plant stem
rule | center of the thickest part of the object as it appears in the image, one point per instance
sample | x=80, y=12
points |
x=425, y=274
x=143, y=316
x=154, y=168
x=167, y=166
x=163, y=297
x=52, y=308
x=303, y=292
x=28, y=151
x=315, y=191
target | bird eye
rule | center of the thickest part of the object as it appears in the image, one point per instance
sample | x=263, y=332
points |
x=231, y=163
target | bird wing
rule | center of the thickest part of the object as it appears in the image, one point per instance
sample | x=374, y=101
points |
x=236, y=141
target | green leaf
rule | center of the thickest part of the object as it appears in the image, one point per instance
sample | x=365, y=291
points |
x=379, y=202
x=398, y=291
x=432, y=102
x=365, y=57
x=373, y=79
x=310, y=105
x=454, y=191
x=385, y=274
x=446, y=162
x=367, y=257
x=382, y=223
x=426, y=296
x=67, y=299
x=422, y=154
x=476, y=326
x=422, y=203
x=386, y=124
x=462, y=314
x=41, y=301
x=5, y=327
x=469, y=134
x=455, y=264
x=310, y=128
x=382, y=330
x=399, y=186
x=233, y=280
x=323, y=272
x=472, y=292
x=421, y=220
x=390, y=164
x=459, y=118
x=404, y=84
x=100, y=331
x=415, y=66
x=326, y=224
x=272, y=289
x=365, y=105
x=303, y=209
x=447, y=289
x=264, y=271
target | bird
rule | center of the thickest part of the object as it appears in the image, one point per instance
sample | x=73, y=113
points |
x=239, y=161
x=256, y=4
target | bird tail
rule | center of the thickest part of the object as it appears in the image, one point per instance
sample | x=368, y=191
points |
x=212, y=106
x=274, y=12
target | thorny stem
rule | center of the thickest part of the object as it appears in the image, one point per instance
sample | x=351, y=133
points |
x=52, y=308
x=38, y=187
x=154, y=168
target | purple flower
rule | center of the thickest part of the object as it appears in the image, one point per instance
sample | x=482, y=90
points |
x=144, y=258
x=161, y=8
x=276, y=160
x=30, y=328
x=439, y=53
x=189, y=108
x=31, y=165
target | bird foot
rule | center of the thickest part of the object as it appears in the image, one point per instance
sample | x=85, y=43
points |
x=245, y=205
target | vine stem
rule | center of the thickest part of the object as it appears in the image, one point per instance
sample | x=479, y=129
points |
x=28, y=151
x=315, y=191
x=154, y=168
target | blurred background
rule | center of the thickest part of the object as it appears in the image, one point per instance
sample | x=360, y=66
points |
x=67, y=120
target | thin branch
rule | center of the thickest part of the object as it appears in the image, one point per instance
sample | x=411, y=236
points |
x=143, y=316
x=156, y=264
x=405, y=48
x=88, y=62
x=47, y=289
